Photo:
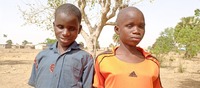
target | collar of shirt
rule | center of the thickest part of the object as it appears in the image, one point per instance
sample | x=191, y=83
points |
x=74, y=46
x=146, y=54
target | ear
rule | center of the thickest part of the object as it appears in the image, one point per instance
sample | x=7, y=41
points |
x=54, y=24
x=116, y=28
x=80, y=28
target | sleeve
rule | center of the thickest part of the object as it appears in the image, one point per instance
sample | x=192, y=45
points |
x=157, y=83
x=32, y=79
x=87, y=76
x=98, y=78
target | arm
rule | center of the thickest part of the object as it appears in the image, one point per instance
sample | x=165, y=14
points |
x=87, y=76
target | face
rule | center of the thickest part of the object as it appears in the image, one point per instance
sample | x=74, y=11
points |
x=130, y=27
x=67, y=28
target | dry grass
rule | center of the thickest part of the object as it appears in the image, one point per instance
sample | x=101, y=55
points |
x=16, y=65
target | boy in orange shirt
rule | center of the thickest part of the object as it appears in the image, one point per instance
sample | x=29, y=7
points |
x=128, y=66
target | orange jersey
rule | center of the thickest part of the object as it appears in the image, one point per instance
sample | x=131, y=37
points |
x=111, y=72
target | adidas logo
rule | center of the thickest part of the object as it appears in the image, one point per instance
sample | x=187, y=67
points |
x=132, y=74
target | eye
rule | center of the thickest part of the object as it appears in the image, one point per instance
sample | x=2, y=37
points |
x=60, y=26
x=142, y=26
x=129, y=26
x=72, y=28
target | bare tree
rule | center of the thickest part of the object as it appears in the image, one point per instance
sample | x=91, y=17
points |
x=95, y=13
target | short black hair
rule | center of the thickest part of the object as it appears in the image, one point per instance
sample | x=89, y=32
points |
x=69, y=9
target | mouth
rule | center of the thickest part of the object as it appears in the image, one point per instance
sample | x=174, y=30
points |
x=64, y=39
x=137, y=39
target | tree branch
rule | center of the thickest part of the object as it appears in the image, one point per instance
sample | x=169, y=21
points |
x=110, y=23
x=104, y=12
x=84, y=34
x=114, y=9
x=82, y=5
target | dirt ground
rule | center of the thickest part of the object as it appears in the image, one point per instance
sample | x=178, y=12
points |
x=16, y=65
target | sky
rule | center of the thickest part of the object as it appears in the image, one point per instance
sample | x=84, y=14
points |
x=159, y=15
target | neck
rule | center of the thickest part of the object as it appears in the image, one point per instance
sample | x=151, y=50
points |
x=61, y=49
x=125, y=49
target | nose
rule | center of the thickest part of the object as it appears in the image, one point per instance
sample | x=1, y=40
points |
x=135, y=30
x=65, y=32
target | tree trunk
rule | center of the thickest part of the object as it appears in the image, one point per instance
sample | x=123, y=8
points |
x=90, y=46
x=95, y=47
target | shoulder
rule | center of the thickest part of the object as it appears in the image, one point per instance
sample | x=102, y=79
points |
x=104, y=55
x=153, y=59
x=81, y=51
x=46, y=51
x=42, y=53
x=148, y=56
x=82, y=55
